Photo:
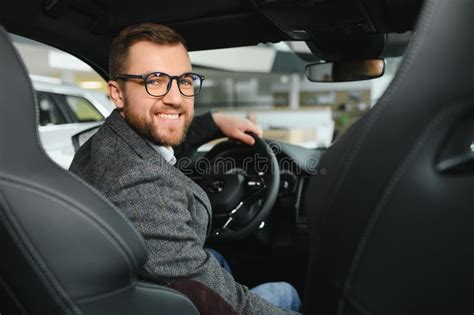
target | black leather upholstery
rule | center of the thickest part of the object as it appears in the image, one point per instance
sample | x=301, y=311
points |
x=392, y=232
x=65, y=249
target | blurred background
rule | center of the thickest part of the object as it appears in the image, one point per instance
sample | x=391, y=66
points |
x=265, y=83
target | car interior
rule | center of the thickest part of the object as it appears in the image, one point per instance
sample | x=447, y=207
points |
x=380, y=222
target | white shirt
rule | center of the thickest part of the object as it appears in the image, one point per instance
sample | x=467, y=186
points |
x=166, y=152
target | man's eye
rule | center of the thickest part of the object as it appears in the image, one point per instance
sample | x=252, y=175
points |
x=155, y=82
x=186, y=82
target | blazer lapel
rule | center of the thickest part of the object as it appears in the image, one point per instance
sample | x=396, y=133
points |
x=130, y=136
x=146, y=152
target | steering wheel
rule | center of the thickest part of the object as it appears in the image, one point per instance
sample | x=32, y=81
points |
x=242, y=191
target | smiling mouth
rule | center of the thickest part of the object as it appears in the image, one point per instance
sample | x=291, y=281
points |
x=169, y=116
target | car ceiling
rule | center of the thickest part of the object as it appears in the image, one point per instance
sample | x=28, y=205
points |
x=85, y=28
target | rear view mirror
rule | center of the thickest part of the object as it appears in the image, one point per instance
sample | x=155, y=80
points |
x=342, y=71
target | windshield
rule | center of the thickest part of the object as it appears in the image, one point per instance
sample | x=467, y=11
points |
x=266, y=84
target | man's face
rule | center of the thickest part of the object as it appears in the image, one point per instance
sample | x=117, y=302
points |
x=161, y=120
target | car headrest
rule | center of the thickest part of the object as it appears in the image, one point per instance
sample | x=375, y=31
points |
x=58, y=232
x=391, y=219
x=18, y=131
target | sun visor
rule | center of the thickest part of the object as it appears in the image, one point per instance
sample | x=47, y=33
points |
x=302, y=20
x=333, y=30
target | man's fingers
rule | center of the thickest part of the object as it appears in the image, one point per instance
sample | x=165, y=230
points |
x=235, y=127
x=245, y=138
x=255, y=129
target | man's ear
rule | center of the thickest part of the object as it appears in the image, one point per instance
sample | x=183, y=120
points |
x=116, y=93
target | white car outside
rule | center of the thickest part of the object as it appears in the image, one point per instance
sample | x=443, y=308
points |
x=65, y=110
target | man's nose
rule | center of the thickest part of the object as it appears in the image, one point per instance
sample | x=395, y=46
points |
x=173, y=97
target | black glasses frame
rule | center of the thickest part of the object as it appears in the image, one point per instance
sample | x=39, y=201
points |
x=145, y=76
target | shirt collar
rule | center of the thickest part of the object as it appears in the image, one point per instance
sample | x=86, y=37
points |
x=166, y=152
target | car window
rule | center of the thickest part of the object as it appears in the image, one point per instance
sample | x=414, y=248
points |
x=71, y=96
x=49, y=112
x=82, y=109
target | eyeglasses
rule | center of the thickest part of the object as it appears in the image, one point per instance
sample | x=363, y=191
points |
x=159, y=83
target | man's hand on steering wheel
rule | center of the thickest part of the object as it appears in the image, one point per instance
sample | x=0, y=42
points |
x=235, y=127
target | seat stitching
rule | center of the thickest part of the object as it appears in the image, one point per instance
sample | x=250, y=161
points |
x=12, y=295
x=33, y=258
x=358, y=305
x=95, y=221
x=136, y=284
x=91, y=298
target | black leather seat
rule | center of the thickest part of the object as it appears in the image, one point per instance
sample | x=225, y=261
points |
x=65, y=249
x=392, y=221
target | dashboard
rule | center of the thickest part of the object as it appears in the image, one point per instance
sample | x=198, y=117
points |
x=297, y=165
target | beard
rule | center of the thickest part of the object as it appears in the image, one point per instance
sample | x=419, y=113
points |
x=152, y=132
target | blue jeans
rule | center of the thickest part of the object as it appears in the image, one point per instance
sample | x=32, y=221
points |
x=281, y=294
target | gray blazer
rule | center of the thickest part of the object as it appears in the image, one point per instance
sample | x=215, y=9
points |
x=170, y=210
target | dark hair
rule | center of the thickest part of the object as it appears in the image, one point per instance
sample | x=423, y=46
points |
x=150, y=32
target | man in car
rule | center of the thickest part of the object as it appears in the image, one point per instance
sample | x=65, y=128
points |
x=130, y=160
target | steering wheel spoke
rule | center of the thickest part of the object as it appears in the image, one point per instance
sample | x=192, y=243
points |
x=240, y=200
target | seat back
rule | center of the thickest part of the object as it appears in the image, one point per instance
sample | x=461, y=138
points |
x=66, y=248
x=392, y=224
